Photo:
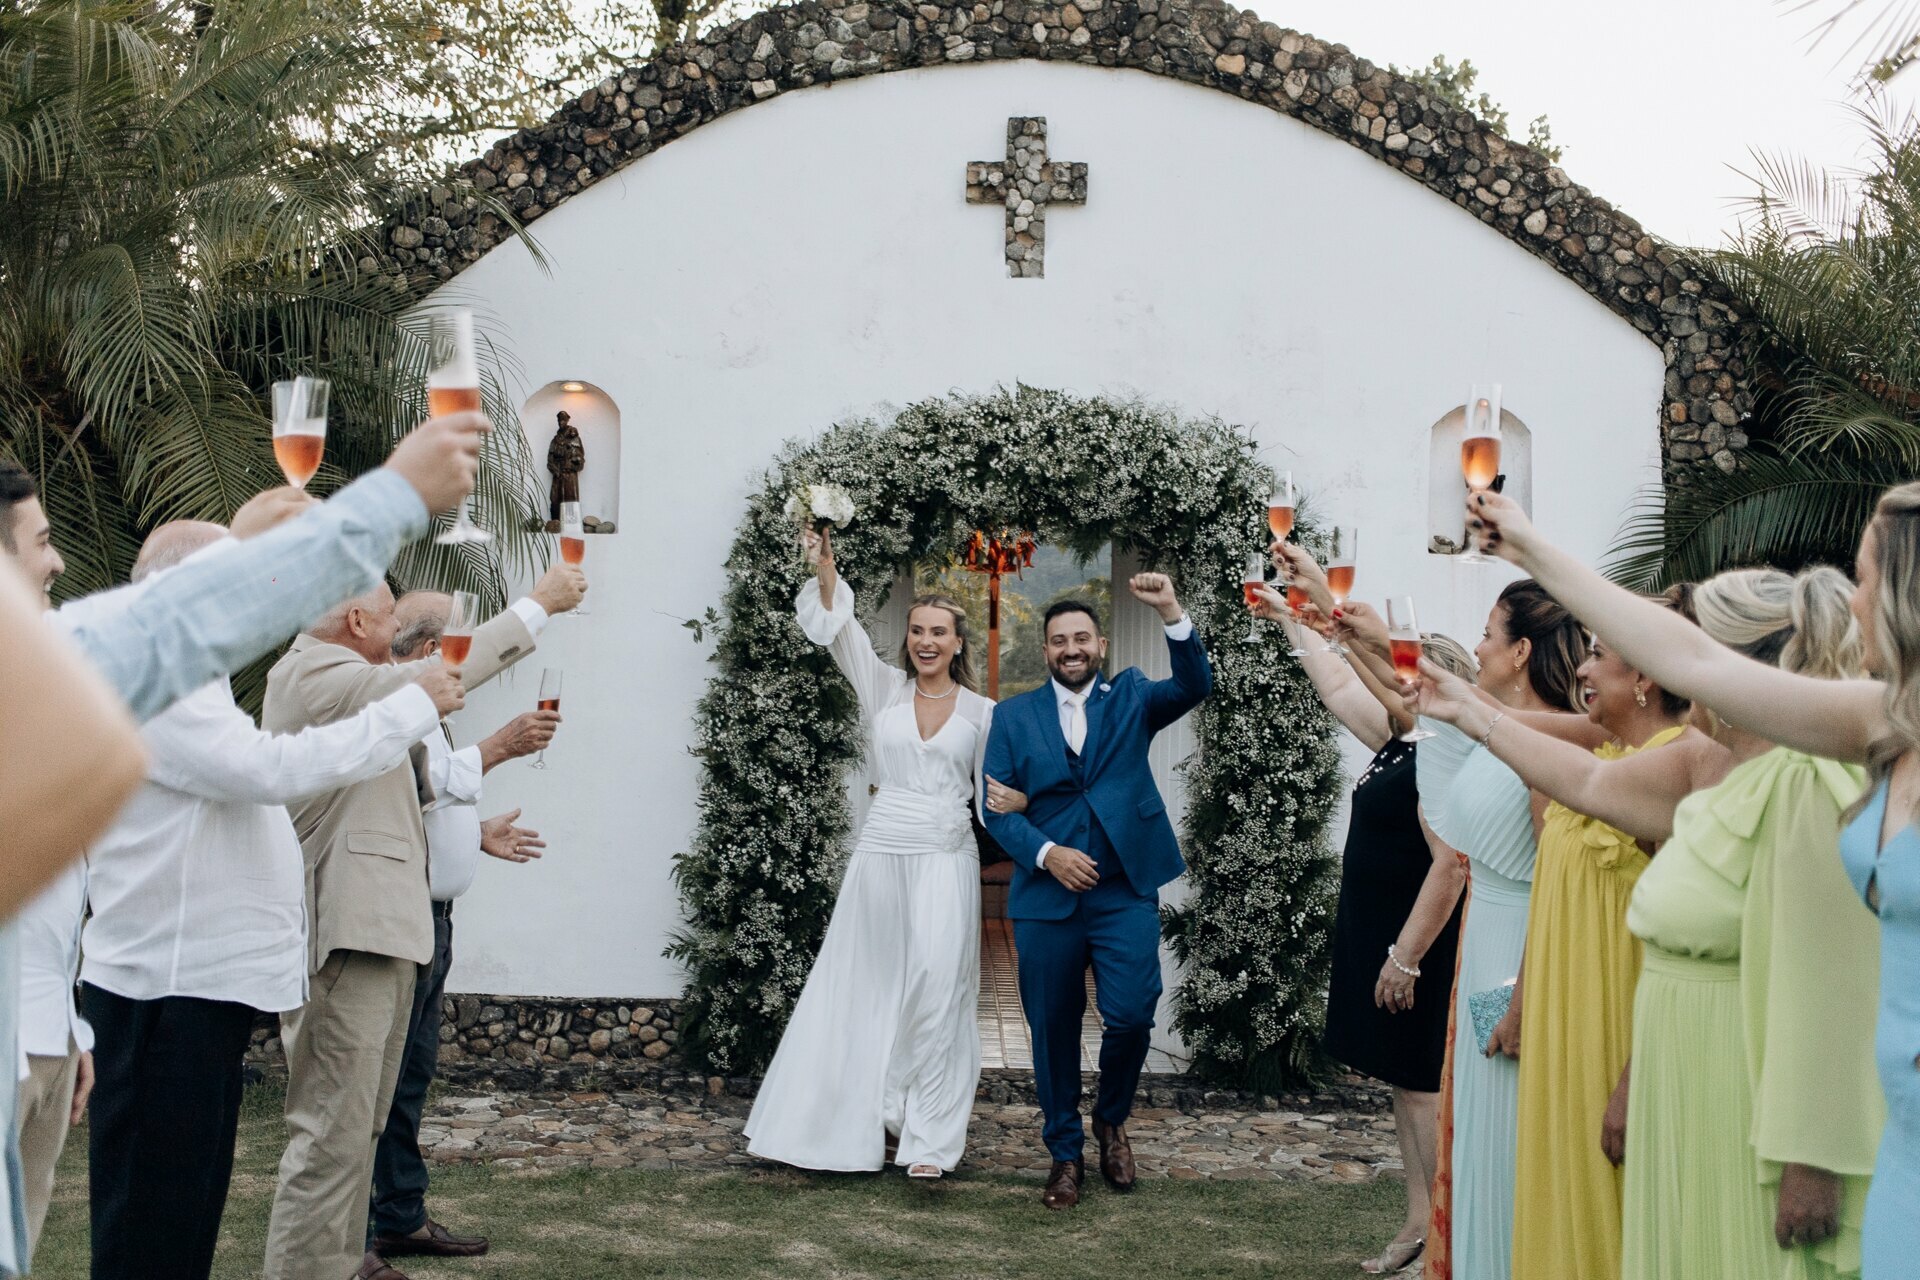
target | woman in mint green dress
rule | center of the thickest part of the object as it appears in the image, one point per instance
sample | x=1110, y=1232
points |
x=1873, y=722
x=1739, y=819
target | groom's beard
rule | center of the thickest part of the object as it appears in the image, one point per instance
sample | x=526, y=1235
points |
x=1075, y=684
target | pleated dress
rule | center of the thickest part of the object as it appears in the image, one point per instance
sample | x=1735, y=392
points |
x=1576, y=1027
x=1482, y=808
x=885, y=1037
x=1693, y=1205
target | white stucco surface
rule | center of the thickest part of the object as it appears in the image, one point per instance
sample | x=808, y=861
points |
x=813, y=258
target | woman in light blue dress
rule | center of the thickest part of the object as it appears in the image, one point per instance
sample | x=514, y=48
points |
x=1873, y=722
x=1528, y=659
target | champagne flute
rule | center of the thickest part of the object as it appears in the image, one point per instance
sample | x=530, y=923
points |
x=1480, y=451
x=573, y=543
x=1280, y=504
x=299, y=427
x=1297, y=599
x=1403, y=643
x=452, y=387
x=456, y=642
x=1340, y=565
x=549, y=701
x=1253, y=576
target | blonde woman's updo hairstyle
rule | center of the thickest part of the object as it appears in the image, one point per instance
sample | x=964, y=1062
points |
x=1449, y=654
x=1799, y=622
x=961, y=668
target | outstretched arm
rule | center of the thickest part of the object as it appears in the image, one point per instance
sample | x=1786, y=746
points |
x=1637, y=794
x=1838, y=719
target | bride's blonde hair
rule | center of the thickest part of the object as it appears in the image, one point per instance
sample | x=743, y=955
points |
x=961, y=668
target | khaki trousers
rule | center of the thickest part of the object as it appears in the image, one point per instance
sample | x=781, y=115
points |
x=344, y=1049
x=46, y=1101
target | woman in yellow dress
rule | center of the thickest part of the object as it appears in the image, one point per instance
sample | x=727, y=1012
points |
x=1576, y=999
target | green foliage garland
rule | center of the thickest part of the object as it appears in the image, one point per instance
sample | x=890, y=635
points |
x=778, y=727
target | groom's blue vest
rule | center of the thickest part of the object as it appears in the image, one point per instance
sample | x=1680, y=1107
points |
x=1105, y=803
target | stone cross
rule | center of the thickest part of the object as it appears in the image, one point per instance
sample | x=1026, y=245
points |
x=1025, y=183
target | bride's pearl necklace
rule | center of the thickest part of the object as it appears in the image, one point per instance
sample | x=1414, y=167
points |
x=935, y=697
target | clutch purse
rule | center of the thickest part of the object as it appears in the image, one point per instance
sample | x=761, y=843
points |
x=1487, y=1008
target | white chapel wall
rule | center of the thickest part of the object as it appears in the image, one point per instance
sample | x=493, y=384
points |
x=814, y=258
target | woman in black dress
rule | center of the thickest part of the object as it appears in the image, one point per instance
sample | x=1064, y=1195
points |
x=1398, y=923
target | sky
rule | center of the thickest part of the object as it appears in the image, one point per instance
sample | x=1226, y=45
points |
x=1659, y=104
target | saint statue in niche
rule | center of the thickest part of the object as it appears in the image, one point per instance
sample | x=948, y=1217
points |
x=566, y=458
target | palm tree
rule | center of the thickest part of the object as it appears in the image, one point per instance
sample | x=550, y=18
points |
x=1829, y=266
x=181, y=226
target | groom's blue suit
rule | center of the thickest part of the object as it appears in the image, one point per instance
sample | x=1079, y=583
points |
x=1104, y=803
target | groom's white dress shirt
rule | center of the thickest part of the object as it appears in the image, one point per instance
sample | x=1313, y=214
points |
x=199, y=888
x=1073, y=712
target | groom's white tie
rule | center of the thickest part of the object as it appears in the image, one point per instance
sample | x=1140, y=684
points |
x=1076, y=726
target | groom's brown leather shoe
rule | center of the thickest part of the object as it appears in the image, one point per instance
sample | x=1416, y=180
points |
x=434, y=1241
x=1116, y=1155
x=1063, y=1184
x=374, y=1267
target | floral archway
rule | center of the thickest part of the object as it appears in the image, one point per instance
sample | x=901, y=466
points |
x=778, y=726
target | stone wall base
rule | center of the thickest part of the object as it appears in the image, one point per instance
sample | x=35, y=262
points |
x=519, y=1040
x=529, y=1045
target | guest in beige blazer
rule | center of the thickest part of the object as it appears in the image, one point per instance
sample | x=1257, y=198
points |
x=369, y=920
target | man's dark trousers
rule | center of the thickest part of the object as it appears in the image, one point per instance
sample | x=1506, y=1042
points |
x=165, y=1109
x=1117, y=931
x=399, y=1170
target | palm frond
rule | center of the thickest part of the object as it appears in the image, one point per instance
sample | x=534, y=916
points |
x=1779, y=509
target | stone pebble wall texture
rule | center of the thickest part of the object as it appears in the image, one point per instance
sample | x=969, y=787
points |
x=524, y=1041
x=1513, y=189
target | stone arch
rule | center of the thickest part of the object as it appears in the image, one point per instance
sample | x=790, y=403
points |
x=1654, y=286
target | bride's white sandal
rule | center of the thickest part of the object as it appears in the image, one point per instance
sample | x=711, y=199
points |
x=927, y=1171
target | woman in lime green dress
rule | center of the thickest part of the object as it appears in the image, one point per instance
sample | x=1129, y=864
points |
x=1753, y=1169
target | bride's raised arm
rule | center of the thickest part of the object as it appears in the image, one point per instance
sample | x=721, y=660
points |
x=1838, y=719
x=824, y=607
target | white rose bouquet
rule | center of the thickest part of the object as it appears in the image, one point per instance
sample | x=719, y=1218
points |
x=815, y=506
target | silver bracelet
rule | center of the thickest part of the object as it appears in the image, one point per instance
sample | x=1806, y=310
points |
x=1393, y=958
x=1486, y=739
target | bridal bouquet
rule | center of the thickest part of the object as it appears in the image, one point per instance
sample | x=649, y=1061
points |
x=815, y=506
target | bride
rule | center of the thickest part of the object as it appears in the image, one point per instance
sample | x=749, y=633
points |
x=884, y=1047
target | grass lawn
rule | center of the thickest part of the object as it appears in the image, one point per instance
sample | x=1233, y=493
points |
x=603, y=1224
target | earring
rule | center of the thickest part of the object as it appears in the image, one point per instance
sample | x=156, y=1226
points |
x=1640, y=695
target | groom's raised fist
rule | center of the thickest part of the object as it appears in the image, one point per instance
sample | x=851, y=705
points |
x=1156, y=590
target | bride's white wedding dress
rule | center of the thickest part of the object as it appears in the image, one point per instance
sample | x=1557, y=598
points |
x=885, y=1038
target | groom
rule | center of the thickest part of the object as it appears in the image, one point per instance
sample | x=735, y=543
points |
x=1090, y=854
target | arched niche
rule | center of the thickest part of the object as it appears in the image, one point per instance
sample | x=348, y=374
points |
x=596, y=417
x=1447, y=487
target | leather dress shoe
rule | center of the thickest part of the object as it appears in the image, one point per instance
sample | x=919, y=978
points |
x=438, y=1242
x=1116, y=1155
x=1063, y=1184
x=374, y=1267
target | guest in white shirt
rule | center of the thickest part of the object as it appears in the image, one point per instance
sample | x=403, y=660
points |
x=398, y=1222
x=199, y=922
x=55, y=1039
